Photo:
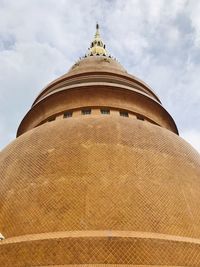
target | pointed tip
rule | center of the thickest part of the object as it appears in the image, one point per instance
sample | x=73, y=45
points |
x=97, y=47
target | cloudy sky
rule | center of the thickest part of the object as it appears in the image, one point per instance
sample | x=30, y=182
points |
x=156, y=40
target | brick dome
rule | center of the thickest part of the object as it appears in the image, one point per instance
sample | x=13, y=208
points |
x=99, y=176
x=101, y=173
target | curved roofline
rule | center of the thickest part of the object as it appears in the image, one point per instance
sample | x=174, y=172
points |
x=90, y=84
x=134, y=91
x=127, y=76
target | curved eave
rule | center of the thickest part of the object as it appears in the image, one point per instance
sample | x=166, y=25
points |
x=82, y=86
x=92, y=84
x=68, y=77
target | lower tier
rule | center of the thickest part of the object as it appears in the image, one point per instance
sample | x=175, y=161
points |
x=99, y=248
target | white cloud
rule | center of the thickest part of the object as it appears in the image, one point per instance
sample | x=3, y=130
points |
x=193, y=137
x=193, y=8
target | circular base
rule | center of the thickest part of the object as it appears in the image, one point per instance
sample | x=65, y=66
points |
x=94, y=248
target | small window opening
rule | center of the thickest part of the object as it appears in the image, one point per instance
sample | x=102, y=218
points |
x=51, y=119
x=105, y=111
x=140, y=118
x=67, y=114
x=123, y=113
x=1, y=237
x=86, y=111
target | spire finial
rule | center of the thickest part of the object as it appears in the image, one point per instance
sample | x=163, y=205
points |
x=97, y=34
x=97, y=47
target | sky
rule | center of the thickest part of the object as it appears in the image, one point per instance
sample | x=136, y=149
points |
x=155, y=40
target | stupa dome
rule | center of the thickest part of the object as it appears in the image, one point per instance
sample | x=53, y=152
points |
x=99, y=175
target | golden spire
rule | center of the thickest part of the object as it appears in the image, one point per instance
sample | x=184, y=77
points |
x=97, y=34
x=97, y=47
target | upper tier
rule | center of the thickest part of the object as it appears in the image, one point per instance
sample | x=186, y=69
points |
x=96, y=65
x=96, y=82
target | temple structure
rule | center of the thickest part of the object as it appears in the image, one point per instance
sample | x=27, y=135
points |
x=98, y=175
